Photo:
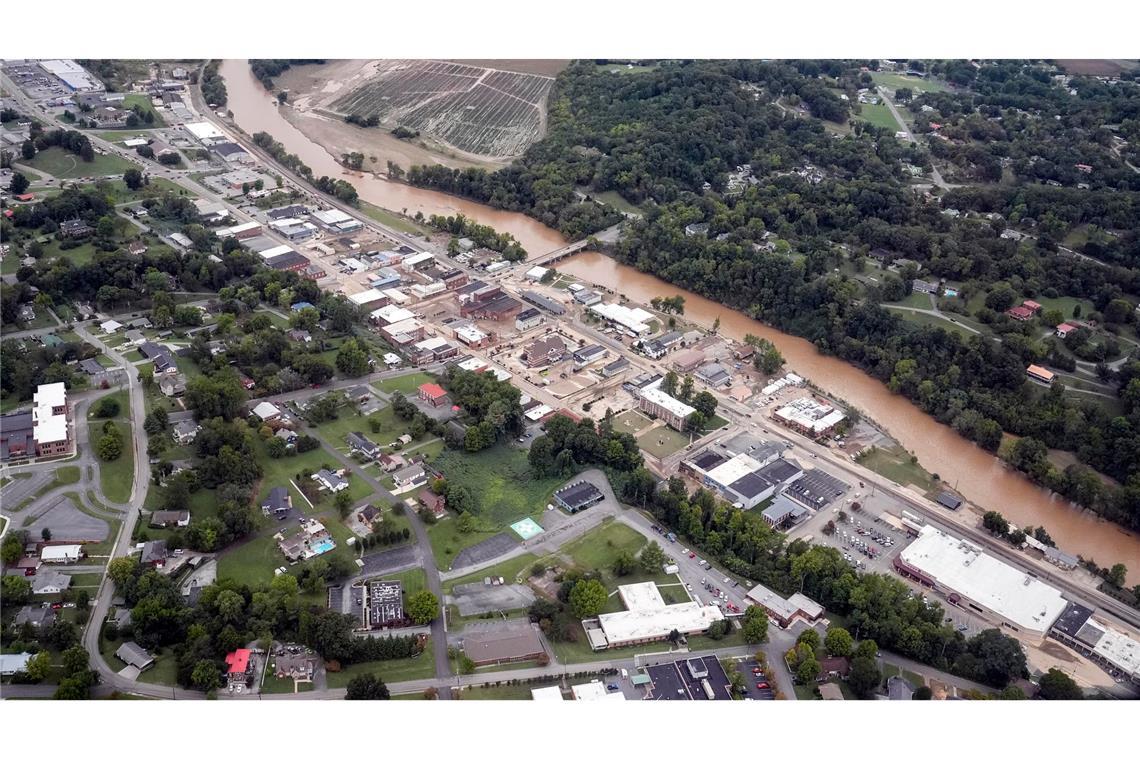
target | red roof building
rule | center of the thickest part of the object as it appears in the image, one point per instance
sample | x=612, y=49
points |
x=1020, y=313
x=1033, y=306
x=1064, y=329
x=240, y=665
x=433, y=394
x=25, y=197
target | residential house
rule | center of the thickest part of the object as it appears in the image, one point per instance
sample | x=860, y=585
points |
x=172, y=385
x=409, y=475
x=330, y=480
x=392, y=462
x=75, y=228
x=287, y=435
x=1064, y=329
x=277, y=502
x=359, y=443
x=154, y=553
x=38, y=617
x=300, y=667
x=433, y=394
x=433, y=502
x=186, y=431
x=170, y=518
x=368, y=515
x=161, y=356
x=266, y=411
x=50, y=582
x=132, y=654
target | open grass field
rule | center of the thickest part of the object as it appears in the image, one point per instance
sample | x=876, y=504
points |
x=1065, y=305
x=614, y=198
x=164, y=670
x=407, y=669
x=274, y=685
x=631, y=421
x=409, y=385
x=349, y=421
x=143, y=102
x=915, y=301
x=893, y=81
x=513, y=570
x=918, y=318
x=447, y=540
x=251, y=562
x=501, y=481
x=395, y=221
x=474, y=109
x=895, y=464
x=662, y=441
x=116, y=477
x=64, y=165
x=81, y=254
x=878, y=115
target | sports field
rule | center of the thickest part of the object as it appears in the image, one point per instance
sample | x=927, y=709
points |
x=61, y=164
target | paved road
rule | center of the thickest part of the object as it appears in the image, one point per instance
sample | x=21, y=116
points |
x=937, y=175
x=934, y=313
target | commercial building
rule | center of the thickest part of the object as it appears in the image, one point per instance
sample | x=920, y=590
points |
x=1114, y=651
x=816, y=489
x=43, y=432
x=542, y=302
x=517, y=643
x=74, y=76
x=635, y=322
x=205, y=132
x=240, y=667
x=694, y=679
x=527, y=319
x=662, y=344
x=404, y=333
x=336, y=221
x=434, y=394
x=544, y=694
x=714, y=375
x=587, y=355
x=658, y=403
x=240, y=231
x=687, y=360
x=391, y=314
x=618, y=365
x=970, y=578
x=384, y=606
x=783, y=512
x=596, y=691
x=647, y=618
x=809, y=417
x=545, y=350
x=786, y=611
x=578, y=496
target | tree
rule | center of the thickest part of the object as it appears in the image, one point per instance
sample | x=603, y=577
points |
x=39, y=666
x=75, y=660
x=587, y=598
x=106, y=407
x=652, y=558
x=1057, y=684
x=14, y=590
x=669, y=383
x=109, y=447
x=352, y=359
x=366, y=686
x=864, y=677
x=19, y=184
x=810, y=637
x=995, y=523
x=343, y=503
x=807, y=670
x=838, y=642
x=121, y=569
x=28, y=151
x=755, y=625
x=923, y=694
x=133, y=179
x=705, y=403
x=423, y=607
x=624, y=563
x=1117, y=575
x=205, y=676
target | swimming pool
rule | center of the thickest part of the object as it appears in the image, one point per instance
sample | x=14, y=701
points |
x=324, y=545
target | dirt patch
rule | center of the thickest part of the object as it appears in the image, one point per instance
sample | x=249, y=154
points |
x=547, y=67
x=1058, y=651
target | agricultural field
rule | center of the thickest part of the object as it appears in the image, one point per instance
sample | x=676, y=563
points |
x=473, y=109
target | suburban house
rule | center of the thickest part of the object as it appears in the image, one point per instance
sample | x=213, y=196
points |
x=172, y=385
x=359, y=443
x=50, y=582
x=132, y=654
x=433, y=502
x=170, y=518
x=154, y=553
x=277, y=502
x=392, y=462
x=299, y=667
x=37, y=617
x=409, y=475
x=1039, y=374
x=309, y=540
x=330, y=480
x=368, y=515
x=287, y=435
x=161, y=356
x=186, y=431
x=266, y=411
x=1064, y=329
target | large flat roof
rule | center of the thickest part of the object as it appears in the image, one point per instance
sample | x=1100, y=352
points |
x=1119, y=650
x=960, y=566
x=665, y=401
x=636, y=625
x=632, y=319
x=733, y=470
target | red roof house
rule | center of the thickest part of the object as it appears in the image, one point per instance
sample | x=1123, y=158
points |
x=1033, y=306
x=240, y=665
x=433, y=394
x=25, y=197
x=1064, y=329
x=1020, y=313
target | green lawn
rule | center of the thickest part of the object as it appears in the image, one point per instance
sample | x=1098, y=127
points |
x=879, y=115
x=918, y=318
x=251, y=562
x=1065, y=305
x=447, y=541
x=164, y=670
x=349, y=421
x=516, y=692
x=64, y=165
x=501, y=481
x=614, y=198
x=278, y=472
x=81, y=254
x=389, y=219
x=894, y=463
x=118, y=135
x=139, y=99
x=662, y=441
x=915, y=301
x=407, y=384
x=274, y=685
x=893, y=81
x=116, y=477
x=414, y=580
x=915, y=679
x=513, y=570
x=408, y=669
x=157, y=186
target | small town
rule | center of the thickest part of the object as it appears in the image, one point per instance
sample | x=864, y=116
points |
x=532, y=380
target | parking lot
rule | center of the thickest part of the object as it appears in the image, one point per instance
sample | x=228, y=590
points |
x=756, y=684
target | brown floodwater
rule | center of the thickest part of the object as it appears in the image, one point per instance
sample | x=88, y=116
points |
x=978, y=475
x=256, y=110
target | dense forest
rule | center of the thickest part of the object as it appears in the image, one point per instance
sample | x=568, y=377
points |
x=823, y=189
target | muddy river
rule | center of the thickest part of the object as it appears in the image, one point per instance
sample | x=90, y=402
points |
x=980, y=477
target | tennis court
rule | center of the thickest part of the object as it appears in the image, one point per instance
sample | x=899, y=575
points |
x=526, y=528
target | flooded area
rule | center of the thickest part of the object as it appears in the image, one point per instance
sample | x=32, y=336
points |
x=979, y=476
x=975, y=473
